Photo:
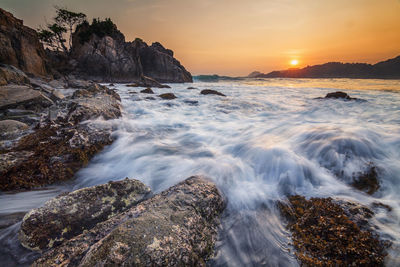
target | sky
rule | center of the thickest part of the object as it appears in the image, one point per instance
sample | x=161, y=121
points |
x=236, y=37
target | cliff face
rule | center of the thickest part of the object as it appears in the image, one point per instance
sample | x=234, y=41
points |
x=160, y=64
x=20, y=46
x=109, y=58
x=389, y=69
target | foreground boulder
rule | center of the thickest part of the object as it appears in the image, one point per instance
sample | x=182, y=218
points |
x=329, y=233
x=20, y=46
x=211, y=92
x=69, y=215
x=16, y=96
x=177, y=227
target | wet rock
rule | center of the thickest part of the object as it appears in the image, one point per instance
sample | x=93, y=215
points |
x=70, y=214
x=76, y=83
x=191, y=88
x=10, y=219
x=10, y=74
x=177, y=227
x=167, y=96
x=211, y=92
x=367, y=181
x=339, y=95
x=192, y=102
x=111, y=84
x=147, y=91
x=7, y=126
x=150, y=98
x=61, y=144
x=15, y=96
x=325, y=234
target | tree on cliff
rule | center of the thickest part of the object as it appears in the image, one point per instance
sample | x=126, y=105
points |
x=65, y=21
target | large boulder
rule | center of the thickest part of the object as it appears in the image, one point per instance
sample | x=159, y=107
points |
x=20, y=46
x=70, y=214
x=15, y=96
x=177, y=227
x=10, y=74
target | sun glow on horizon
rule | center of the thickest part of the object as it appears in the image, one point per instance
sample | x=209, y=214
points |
x=294, y=62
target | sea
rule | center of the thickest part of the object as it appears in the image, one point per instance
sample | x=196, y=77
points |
x=266, y=140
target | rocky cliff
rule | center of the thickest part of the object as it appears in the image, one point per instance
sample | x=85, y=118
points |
x=20, y=46
x=100, y=52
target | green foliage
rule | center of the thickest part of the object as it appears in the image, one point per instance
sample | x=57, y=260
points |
x=99, y=27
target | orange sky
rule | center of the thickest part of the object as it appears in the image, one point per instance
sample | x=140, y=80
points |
x=236, y=37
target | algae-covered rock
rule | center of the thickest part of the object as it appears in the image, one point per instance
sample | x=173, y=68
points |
x=177, y=227
x=332, y=233
x=69, y=215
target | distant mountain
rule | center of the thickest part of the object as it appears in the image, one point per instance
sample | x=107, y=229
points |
x=389, y=69
x=254, y=74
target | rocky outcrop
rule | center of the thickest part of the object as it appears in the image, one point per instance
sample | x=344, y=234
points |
x=147, y=91
x=107, y=57
x=20, y=46
x=160, y=64
x=59, y=144
x=70, y=214
x=211, y=92
x=177, y=227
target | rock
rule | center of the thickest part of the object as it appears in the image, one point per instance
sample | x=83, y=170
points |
x=61, y=144
x=159, y=63
x=339, y=95
x=70, y=214
x=147, y=91
x=177, y=227
x=367, y=181
x=111, y=84
x=191, y=88
x=20, y=46
x=13, y=96
x=211, y=92
x=76, y=83
x=324, y=233
x=7, y=126
x=167, y=96
x=10, y=74
x=107, y=57
x=150, y=98
x=192, y=102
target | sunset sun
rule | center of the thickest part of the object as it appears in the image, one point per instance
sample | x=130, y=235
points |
x=294, y=62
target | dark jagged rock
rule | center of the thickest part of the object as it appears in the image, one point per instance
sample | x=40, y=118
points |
x=389, y=69
x=147, y=91
x=177, y=227
x=70, y=214
x=20, y=46
x=160, y=64
x=191, y=88
x=340, y=95
x=10, y=74
x=167, y=96
x=107, y=57
x=211, y=92
x=326, y=233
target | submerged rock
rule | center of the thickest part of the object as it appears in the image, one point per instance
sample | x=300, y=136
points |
x=367, y=181
x=211, y=92
x=167, y=96
x=191, y=88
x=339, y=95
x=325, y=234
x=70, y=214
x=147, y=91
x=177, y=227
